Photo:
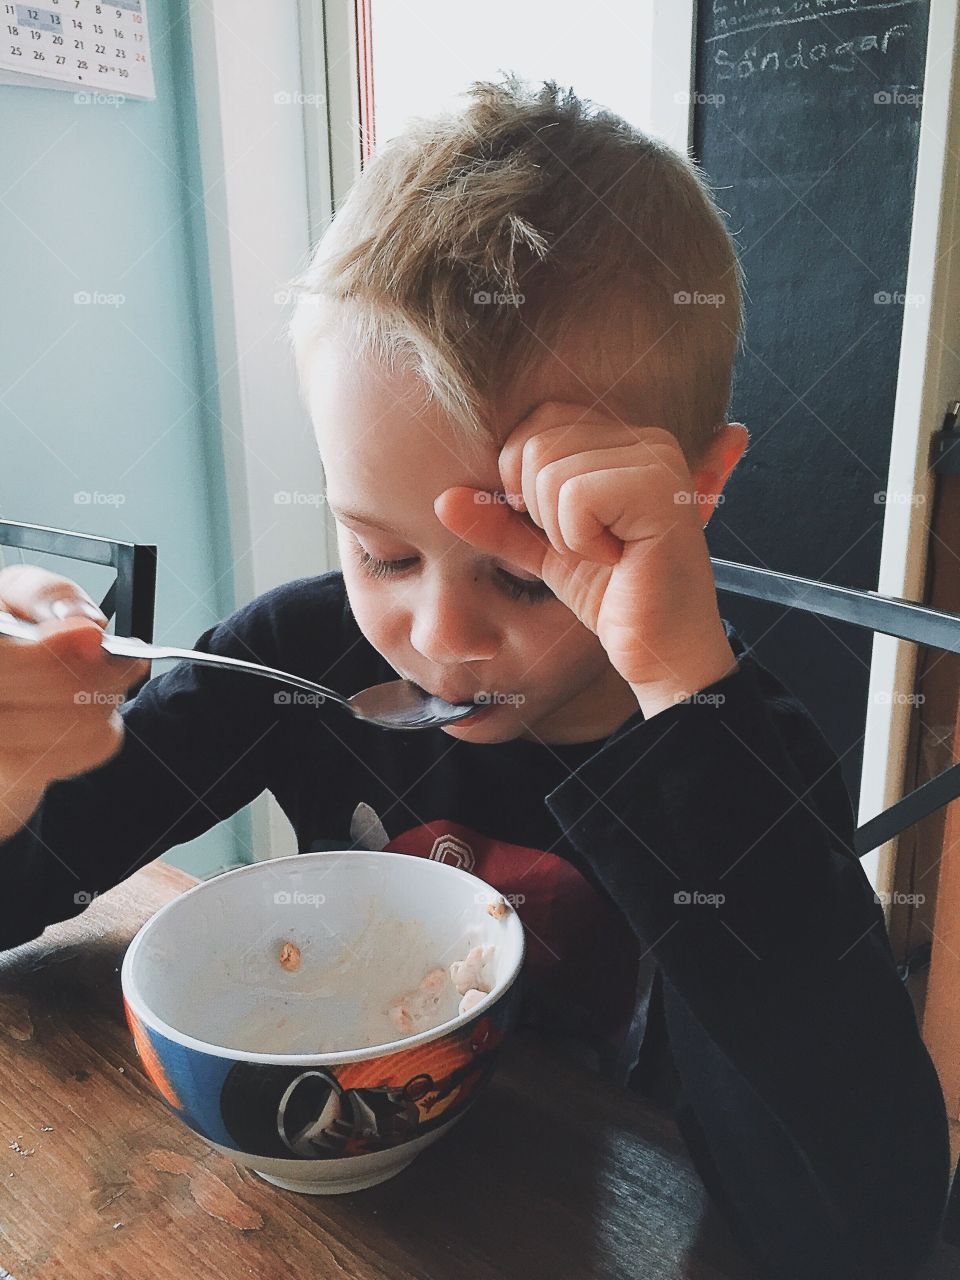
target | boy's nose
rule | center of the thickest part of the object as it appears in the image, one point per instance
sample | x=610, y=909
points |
x=444, y=631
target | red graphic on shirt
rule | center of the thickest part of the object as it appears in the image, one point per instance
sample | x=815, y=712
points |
x=581, y=953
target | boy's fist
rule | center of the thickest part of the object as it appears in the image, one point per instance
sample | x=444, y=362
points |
x=59, y=694
x=608, y=515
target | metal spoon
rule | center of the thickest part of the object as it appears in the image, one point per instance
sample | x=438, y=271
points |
x=398, y=704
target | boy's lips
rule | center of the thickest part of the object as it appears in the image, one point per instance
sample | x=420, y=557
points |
x=457, y=698
x=483, y=698
x=481, y=709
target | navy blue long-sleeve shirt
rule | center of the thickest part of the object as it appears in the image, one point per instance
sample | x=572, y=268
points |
x=695, y=916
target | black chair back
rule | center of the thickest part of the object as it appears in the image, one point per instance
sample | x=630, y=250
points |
x=131, y=597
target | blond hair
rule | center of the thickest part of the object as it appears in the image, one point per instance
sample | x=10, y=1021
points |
x=477, y=241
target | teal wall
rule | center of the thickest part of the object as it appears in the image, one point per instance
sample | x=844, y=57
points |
x=117, y=402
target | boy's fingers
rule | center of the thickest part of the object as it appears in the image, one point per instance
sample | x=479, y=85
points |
x=485, y=521
x=70, y=645
x=74, y=644
x=78, y=636
x=36, y=594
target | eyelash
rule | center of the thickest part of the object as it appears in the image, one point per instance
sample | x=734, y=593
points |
x=518, y=588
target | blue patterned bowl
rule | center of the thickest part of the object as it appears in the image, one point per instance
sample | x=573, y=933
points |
x=259, y=1004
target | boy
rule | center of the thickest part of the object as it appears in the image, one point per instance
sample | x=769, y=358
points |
x=516, y=342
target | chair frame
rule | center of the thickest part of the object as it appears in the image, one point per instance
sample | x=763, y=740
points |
x=131, y=597
x=907, y=621
x=893, y=617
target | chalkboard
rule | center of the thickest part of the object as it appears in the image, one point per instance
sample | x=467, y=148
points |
x=806, y=121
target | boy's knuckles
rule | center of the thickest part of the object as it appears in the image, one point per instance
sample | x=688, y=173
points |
x=28, y=590
x=526, y=451
x=530, y=454
x=69, y=637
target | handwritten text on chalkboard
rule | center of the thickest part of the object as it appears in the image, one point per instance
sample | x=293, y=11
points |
x=730, y=17
x=804, y=56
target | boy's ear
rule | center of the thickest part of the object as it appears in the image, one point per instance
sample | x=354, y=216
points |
x=721, y=456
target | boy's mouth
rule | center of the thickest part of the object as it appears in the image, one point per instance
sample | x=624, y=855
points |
x=483, y=708
x=484, y=700
x=459, y=699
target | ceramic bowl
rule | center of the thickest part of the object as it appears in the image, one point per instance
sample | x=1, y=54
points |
x=259, y=1004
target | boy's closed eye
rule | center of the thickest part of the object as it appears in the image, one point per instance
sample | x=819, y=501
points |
x=528, y=589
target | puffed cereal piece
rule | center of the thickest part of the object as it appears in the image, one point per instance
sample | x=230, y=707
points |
x=470, y=1000
x=475, y=971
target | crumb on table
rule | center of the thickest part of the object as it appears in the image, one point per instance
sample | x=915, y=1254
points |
x=290, y=957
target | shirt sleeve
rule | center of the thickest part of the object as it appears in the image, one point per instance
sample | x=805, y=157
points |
x=808, y=1100
x=199, y=743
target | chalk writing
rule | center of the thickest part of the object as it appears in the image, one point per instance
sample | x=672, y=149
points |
x=733, y=17
x=804, y=56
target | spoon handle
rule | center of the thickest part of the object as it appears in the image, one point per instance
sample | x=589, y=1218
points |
x=131, y=647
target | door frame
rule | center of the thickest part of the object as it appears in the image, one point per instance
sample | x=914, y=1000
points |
x=926, y=381
x=264, y=151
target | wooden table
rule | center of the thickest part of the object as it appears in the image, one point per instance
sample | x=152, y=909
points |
x=99, y=1180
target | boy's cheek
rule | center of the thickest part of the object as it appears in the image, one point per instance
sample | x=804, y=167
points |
x=369, y=618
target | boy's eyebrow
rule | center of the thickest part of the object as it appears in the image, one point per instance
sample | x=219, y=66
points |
x=361, y=517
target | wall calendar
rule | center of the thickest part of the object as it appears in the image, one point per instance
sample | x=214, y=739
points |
x=79, y=45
